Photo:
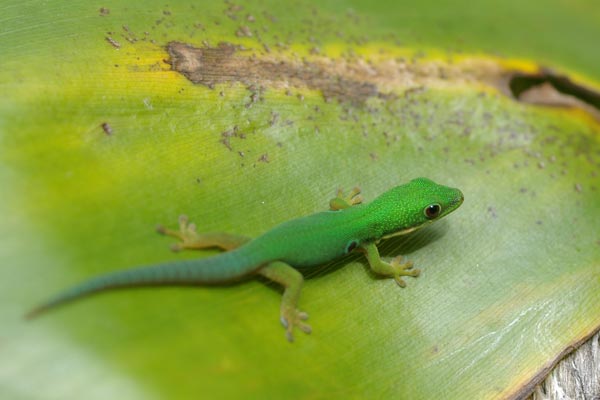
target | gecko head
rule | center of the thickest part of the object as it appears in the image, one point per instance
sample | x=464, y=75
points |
x=416, y=204
x=436, y=200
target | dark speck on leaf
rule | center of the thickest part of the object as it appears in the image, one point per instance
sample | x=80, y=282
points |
x=243, y=31
x=113, y=42
x=107, y=128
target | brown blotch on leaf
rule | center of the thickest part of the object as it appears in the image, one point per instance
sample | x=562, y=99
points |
x=226, y=64
x=353, y=80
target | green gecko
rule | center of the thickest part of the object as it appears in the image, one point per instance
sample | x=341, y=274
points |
x=300, y=243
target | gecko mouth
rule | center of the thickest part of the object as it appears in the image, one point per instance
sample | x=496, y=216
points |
x=406, y=231
x=458, y=200
x=461, y=199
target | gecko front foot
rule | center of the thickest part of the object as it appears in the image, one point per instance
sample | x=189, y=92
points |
x=402, y=269
x=340, y=201
x=290, y=318
x=187, y=234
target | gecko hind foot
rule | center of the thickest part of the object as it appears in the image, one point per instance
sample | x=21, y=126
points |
x=187, y=234
x=291, y=318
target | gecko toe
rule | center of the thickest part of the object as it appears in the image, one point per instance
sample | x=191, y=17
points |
x=400, y=281
x=305, y=328
x=289, y=336
x=302, y=315
x=284, y=322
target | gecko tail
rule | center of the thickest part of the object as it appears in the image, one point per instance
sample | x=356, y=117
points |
x=221, y=269
x=135, y=277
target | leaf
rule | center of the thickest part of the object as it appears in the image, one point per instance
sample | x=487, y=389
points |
x=117, y=117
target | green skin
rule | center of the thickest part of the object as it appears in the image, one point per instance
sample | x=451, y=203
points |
x=300, y=243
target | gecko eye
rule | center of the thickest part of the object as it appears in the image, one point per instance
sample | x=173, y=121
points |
x=432, y=211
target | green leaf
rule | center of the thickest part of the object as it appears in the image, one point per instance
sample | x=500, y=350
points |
x=117, y=117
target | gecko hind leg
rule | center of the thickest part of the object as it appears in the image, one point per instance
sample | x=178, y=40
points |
x=190, y=239
x=277, y=271
x=291, y=280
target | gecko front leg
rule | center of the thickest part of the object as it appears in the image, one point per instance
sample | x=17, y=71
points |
x=340, y=202
x=394, y=269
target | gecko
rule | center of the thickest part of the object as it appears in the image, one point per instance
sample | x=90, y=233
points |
x=280, y=254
